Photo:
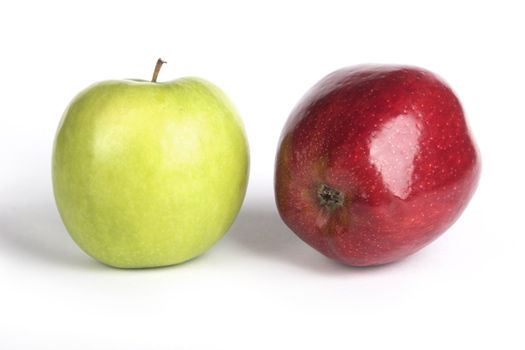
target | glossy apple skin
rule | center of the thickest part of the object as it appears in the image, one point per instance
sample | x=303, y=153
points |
x=149, y=174
x=394, y=142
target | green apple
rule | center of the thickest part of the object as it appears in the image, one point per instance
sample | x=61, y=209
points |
x=149, y=174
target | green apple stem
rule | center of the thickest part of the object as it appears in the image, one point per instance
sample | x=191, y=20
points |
x=330, y=197
x=159, y=64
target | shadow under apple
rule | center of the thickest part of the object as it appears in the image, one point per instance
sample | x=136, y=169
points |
x=34, y=231
x=259, y=229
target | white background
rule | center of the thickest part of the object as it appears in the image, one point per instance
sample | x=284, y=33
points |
x=260, y=287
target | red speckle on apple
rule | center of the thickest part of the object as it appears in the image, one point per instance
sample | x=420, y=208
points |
x=374, y=163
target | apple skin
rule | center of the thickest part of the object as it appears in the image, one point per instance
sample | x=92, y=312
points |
x=374, y=163
x=149, y=174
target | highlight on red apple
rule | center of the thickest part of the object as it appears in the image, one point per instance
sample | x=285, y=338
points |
x=374, y=163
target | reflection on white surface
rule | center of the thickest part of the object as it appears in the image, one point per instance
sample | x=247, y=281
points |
x=392, y=151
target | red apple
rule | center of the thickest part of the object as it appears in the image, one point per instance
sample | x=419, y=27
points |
x=374, y=163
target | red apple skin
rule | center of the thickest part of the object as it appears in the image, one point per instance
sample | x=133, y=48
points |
x=394, y=153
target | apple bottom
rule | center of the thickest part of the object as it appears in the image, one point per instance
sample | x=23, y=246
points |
x=347, y=228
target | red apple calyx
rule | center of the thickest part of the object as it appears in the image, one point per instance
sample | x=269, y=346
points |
x=329, y=197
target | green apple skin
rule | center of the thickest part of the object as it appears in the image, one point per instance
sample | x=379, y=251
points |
x=149, y=174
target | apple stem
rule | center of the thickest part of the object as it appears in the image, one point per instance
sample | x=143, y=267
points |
x=159, y=64
x=330, y=197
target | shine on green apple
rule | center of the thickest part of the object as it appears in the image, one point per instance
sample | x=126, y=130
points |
x=149, y=174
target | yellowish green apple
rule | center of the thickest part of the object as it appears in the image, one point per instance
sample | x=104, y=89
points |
x=149, y=174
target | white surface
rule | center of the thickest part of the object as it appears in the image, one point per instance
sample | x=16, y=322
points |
x=260, y=287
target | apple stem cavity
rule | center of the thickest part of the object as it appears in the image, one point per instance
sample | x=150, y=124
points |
x=329, y=197
x=159, y=64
